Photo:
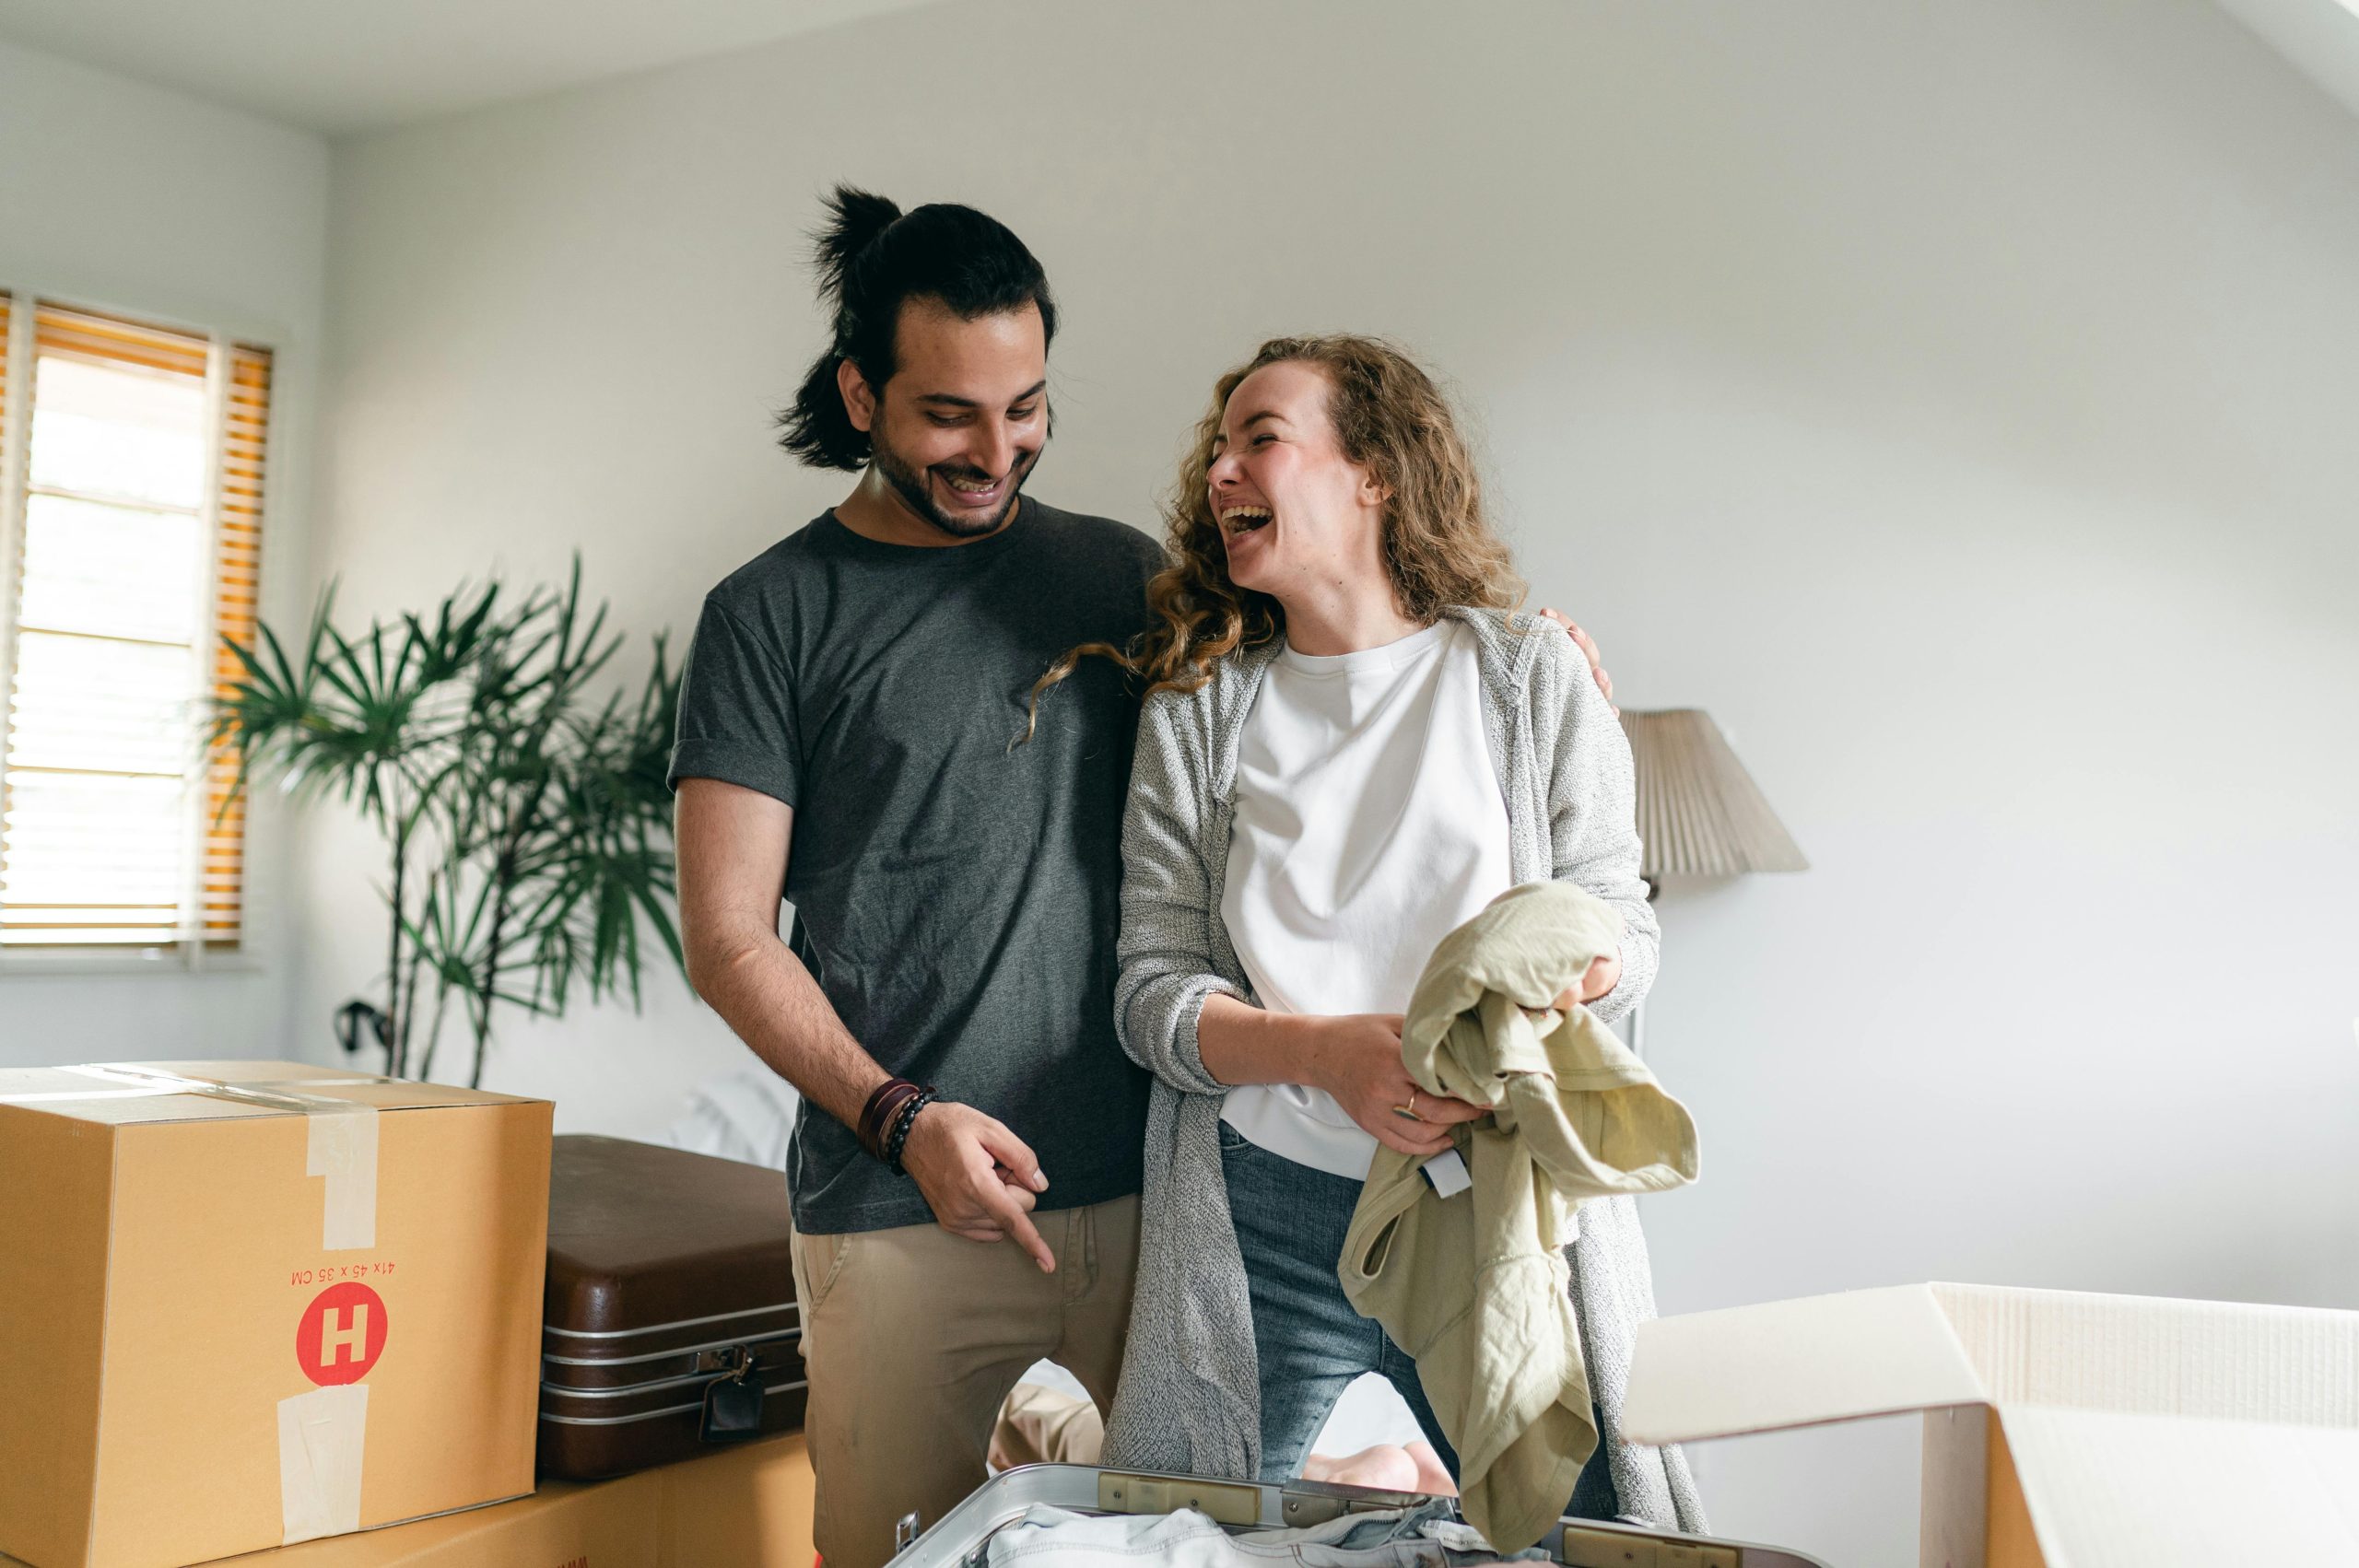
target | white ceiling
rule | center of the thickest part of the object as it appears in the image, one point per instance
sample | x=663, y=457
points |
x=345, y=66
x=2320, y=37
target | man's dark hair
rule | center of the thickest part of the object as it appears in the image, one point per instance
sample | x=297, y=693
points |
x=873, y=258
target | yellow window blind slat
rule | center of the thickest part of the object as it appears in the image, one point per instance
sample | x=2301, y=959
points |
x=111, y=340
x=237, y=566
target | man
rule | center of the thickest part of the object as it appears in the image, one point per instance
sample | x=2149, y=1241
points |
x=853, y=692
x=846, y=720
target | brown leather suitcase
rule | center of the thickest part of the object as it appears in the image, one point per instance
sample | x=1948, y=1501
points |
x=670, y=1323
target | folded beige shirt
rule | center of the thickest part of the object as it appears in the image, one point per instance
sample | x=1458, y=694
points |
x=1476, y=1288
x=1042, y=1426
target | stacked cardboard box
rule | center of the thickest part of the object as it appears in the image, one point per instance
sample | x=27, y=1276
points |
x=249, y=1303
x=743, y=1507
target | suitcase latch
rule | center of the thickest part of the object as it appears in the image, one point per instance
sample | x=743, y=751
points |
x=1227, y=1502
x=732, y=1401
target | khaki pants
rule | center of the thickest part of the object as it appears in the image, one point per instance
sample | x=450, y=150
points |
x=912, y=1337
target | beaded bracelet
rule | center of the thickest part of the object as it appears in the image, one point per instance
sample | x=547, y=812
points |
x=899, y=1138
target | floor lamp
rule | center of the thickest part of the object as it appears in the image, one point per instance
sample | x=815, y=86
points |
x=1699, y=812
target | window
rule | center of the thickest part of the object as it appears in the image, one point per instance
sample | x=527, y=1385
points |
x=131, y=489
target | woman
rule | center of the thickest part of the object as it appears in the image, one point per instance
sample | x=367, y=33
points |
x=1349, y=746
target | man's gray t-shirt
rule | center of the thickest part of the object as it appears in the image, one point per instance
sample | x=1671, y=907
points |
x=958, y=893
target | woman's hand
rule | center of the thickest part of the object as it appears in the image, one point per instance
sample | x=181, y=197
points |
x=1588, y=646
x=1603, y=975
x=1357, y=1059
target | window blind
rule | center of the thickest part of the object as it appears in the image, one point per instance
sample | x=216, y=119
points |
x=237, y=609
x=136, y=540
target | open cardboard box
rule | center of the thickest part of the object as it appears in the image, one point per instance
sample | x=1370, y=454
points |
x=2063, y=1430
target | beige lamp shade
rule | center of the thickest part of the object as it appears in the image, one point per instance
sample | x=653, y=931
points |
x=1699, y=811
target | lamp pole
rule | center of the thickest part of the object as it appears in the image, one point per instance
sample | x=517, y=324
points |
x=1638, y=1008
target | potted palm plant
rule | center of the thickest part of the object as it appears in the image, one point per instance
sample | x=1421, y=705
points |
x=518, y=786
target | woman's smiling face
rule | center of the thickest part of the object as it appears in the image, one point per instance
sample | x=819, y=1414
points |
x=1293, y=510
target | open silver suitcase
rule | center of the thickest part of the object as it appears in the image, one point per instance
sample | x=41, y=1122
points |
x=1246, y=1506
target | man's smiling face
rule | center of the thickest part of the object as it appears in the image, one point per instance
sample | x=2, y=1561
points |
x=963, y=417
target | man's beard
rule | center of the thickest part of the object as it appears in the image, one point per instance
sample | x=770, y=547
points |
x=910, y=485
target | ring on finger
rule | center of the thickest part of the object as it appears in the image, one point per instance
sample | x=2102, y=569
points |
x=1409, y=1111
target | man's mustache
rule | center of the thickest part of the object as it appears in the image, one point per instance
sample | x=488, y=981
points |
x=965, y=471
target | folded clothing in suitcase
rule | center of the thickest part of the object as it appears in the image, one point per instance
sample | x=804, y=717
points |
x=671, y=1318
x=1025, y=1499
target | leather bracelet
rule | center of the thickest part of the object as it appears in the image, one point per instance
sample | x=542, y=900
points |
x=882, y=1109
x=887, y=1116
x=884, y=1105
x=899, y=1136
x=874, y=1116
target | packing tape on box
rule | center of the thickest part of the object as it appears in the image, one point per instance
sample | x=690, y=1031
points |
x=321, y=1437
x=342, y=1135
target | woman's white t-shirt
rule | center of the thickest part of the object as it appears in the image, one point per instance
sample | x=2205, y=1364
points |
x=1369, y=823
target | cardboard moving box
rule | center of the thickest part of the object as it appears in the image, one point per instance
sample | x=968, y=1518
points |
x=743, y=1507
x=244, y=1304
x=2061, y=1429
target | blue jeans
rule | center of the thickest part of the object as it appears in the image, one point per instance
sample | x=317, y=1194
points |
x=1311, y=1343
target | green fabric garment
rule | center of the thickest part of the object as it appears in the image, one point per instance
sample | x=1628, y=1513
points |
x=1475, y=1287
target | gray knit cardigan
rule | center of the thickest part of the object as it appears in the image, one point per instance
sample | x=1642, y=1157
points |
x=1188, y=1400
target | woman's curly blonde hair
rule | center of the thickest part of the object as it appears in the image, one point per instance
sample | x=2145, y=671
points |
x=1439, y=545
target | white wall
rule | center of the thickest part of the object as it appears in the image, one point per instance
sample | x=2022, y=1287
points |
x=129, y=197
x=1953, y=398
